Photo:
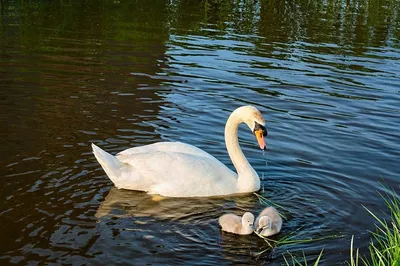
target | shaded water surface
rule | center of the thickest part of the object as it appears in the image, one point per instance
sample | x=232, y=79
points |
x=129, y=73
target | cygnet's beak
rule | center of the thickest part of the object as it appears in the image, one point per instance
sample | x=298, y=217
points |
x=261, y=132
x=259, y=230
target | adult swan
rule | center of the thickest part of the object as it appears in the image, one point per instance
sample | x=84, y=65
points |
x=175, y=169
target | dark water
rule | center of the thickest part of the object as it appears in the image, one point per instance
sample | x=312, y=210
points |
x=129, y=73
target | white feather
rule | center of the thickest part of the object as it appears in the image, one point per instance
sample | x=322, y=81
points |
x=175, y=169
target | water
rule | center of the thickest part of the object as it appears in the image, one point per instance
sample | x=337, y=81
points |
x=122, y=74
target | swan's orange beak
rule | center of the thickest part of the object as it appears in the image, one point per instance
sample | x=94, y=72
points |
x=260, y=138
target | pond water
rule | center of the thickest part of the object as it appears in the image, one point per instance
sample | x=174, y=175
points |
x=325, y=75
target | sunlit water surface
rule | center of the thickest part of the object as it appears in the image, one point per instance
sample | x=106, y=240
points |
x=123, y=74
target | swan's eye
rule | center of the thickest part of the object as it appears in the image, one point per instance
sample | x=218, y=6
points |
x=258, y=127
x=265, y=132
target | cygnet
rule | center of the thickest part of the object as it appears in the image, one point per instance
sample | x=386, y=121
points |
x=268, y=222
x=238, y=225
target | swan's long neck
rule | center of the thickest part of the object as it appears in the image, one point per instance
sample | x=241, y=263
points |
x=248, y=180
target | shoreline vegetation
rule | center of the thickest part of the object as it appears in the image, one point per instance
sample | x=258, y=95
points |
x=383, y=248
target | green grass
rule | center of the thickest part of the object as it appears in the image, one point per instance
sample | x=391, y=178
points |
x=303, y=262
x=290, y=239
x=384, y=248
x=268, y=202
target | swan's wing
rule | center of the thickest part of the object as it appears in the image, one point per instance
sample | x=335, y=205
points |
x=166, y=147
x=176, y=174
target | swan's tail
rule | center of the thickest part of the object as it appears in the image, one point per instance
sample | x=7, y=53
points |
x=111, y=165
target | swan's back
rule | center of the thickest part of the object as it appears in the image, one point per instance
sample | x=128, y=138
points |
x=165, y=147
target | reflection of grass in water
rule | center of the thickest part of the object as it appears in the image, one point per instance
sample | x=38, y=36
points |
x=384, y=248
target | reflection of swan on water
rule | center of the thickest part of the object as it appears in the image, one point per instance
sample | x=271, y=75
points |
x=128, y=203
x=175, y=169
x=238, y=225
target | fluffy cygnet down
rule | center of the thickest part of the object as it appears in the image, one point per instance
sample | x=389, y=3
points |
x=268, y=222
x=238, y=225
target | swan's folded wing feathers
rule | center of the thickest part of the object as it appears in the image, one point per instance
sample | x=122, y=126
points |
x=178, y=174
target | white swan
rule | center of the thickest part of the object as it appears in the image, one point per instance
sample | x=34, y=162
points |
x=268, y=222
x=238, y=225
x=175, y=169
